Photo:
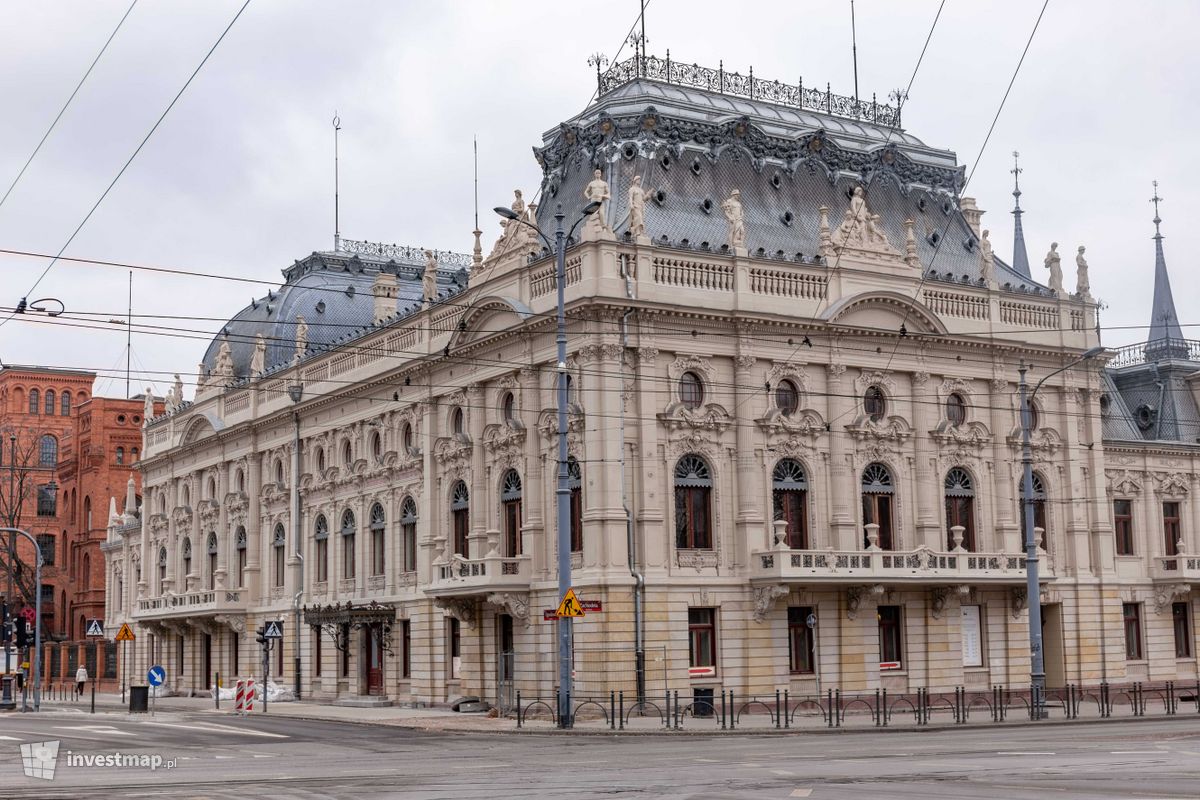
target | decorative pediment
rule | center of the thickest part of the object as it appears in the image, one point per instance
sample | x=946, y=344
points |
x=691, y=441
x=1173, y=484
x=1043, y=441
x=548, y=421
x=874, y=377
x=806, y=424
x=690, y=363
x=964, y=441
x=208, y=511
x=505, y=443
x=182, y=517
x=861, y=232
x=955, y=386
x=1123, y=483
x=1167, y=593
x=451, y=450
x=709, y=416
x=517, y=604
x=786, y=370
x=894, y=429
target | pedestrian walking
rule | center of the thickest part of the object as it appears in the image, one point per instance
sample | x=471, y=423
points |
x=81, y=677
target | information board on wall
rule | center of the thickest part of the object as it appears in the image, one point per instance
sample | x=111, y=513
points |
x=972, y=640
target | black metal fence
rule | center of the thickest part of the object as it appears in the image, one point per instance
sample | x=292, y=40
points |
x=728, y=710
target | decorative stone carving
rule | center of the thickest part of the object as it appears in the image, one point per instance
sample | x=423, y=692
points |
x=147, y=408
x=1166, y=594
x=1123, y=483
x=223, y=369
x=987, y=261
x=597, y=192
x=824, y=235
x=1018, y=600
x=1172, y=485
x=854, y=596
x=961, y=442
x=1054, y=264
x=861, y=230
x=1082, y=285
x=764, y=600
x=516, y=604
x=258, y=361
x=462, y=609
x=697, y=559
x=429, y=278
x=736, y=219
x=637, y=207
x=910, y=246
x=301, y=337
x=937, y=600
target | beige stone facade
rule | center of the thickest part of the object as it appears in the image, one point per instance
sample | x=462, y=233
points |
x=713, y=392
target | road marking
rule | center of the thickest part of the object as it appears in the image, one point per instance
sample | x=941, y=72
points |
x=260, y=755
x=217, y=729
x=801, y=793
x=1135, y=752
x=782, y=772
x=707, y=760
x=1023, y=753
x=107, y=730
x=10, y=738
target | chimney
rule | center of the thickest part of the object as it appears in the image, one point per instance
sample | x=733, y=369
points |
x=384, y=290
x=972, y=213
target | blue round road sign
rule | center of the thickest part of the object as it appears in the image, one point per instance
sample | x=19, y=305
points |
x=156, y=675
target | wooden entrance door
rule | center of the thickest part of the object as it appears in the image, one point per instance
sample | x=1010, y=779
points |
x=373, y=658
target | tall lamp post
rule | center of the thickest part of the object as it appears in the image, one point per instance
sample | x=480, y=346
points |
x=1037, y=667
x=563, y=492
x=296, y=392
x=37, y=614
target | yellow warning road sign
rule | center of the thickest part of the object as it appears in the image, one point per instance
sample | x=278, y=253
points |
x=570, y=607
x=126, y=633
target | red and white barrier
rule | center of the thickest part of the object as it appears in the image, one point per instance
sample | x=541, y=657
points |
x=239, y=697
x=248, y=704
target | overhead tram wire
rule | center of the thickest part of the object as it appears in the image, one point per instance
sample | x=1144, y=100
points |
x=66, y=105
x=138, y=150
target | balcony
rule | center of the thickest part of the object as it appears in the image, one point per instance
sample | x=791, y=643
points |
x=192, y=604
x=1180, y=569
x=913, y=567
x=468, y=576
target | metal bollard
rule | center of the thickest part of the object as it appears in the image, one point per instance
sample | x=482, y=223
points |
x=93, y=697
x=787, y=715
x=217, y=692
x=518, y=708
x=621, y=700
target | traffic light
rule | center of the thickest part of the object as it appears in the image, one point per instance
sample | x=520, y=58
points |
x=261, y=636
x=22, y=631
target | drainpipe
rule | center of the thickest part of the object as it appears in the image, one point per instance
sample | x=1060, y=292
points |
x=639, y=587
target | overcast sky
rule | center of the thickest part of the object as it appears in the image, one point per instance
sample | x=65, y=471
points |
x=239, y=178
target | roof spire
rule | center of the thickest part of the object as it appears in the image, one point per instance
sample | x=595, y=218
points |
x=1166, y=337
x=1020, y=256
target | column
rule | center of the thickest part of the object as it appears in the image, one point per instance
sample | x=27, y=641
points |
x=253, y=525
x=1007, y=538
x=923, y=409
x=843, y=533
x=482, y=484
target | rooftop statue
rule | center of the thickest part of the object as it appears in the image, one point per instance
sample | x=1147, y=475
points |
x=258, y=361
x=224, y=365
x=637, y=207
x=429, y=277
x=735, y=216
x=175, y=394
x=148, y=407
x=597, y=192
x=986, y=260
x=301, y=337
x=1054, y=264
x=1082, y=286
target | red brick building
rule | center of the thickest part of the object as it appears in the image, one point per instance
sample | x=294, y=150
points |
x=73, y=452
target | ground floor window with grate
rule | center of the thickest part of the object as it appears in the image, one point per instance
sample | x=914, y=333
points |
x=1182, y=623
x=1133, y=631
x=800, y=640
x=702, y=637
x=891, y=635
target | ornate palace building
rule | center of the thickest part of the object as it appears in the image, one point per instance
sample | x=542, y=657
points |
x=793, y=399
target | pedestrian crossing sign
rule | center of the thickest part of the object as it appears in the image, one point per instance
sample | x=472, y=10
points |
x=274, y=630
x=570, y=607
x=95, y=627
x=126, y=633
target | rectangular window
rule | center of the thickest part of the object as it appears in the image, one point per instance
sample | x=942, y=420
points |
x=877, y=508
x=462, y=524
x=891, y=648
x=241, y=559
x=409, y=532
x=47, y=502
x=47, y=545
x=316, y=634
x=453, y=647
x=972, y=636
x=1133, y=631
x=512, y=528
x=1171, y=528
x=1182, y=623
x=377, y=551
x=322, y=560
x=702, y=637
x=576, y=520
x=960, y=511
x=405, y=648
x=1123, y=526
x=280, y=562
x=348, y=556
x=800, y=640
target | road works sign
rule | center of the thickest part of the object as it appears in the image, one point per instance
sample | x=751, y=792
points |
x=274, y=630
x=126, y=633
x=95, y=627
x=569, y=607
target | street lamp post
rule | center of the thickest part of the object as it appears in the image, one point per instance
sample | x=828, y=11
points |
x=563, y=491
x=37, y=614
x=296, y=392
x=1037, y=666
x=12, y=542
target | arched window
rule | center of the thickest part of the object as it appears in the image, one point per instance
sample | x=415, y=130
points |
x=319, y=460
x=460, y=516
x=47, y=451
x=510, y=505
x=87, y=513
x=348, y=528
x=34, y=401
x=877, y=493
x=133, y=455
x=321, y=546
x=956, y=409
x=693, y=503
x=186, y=550
x=240, y=538
x=278, y=556
x=86, y=573
x=239, y=480
x=50, y=398
x=960, y=507
x=408, y=533
x=1033, y=417
x=211, y=573
x=65, y=404
x=1039, y=505
x=406, y=436
x=787, y=398
x=347, y=453
x=456, y=421
x=120, y=455
x=378, y=527
x=575, y=484
x=508, y=407
x=376, y=446
x=875, y=403
x=789, y=493
x=691, y=390
x=279, y=472
x=212, y=488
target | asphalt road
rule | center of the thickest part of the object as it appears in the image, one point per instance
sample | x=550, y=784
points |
x=263, y=758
